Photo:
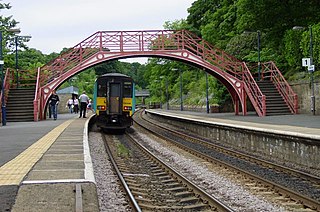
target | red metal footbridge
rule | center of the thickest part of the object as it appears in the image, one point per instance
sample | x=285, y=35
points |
x=179, y=45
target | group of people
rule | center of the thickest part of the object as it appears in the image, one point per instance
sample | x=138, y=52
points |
x=72, y=104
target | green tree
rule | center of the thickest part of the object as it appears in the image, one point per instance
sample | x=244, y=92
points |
x=6, y=25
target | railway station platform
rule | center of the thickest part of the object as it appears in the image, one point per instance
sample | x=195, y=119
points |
x=46, y=166
x=287, y=139
x=304, y=125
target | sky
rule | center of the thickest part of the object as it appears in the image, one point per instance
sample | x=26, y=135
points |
x=56, y=24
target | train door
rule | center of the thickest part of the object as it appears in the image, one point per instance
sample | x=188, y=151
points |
x=114, y=98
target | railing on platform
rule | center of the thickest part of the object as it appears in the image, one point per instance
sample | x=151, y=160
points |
x=8, y=79
x=271, y=72
x=37, y=97
x=258, y=99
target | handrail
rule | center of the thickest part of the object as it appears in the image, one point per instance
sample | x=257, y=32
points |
x=8, y=79
x=26, y=79
x=5, y=90
x=36, y=102
x=113, y=42
x=208, y=52
x=271, y=72
x=257, y=98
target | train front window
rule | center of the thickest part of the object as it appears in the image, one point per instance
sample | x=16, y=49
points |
x=127, y=89
x=102, y=89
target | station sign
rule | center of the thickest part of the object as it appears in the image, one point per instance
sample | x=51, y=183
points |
x=306, y=62
x=311, y=68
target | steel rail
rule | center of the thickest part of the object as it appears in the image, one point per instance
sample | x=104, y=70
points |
x=247, y=157
x=311, y=203
x=122, y=180
x=211, y=200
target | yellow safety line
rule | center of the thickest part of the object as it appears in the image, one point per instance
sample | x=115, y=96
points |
x=13, y=172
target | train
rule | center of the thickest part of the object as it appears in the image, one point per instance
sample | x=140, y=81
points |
x=114, y=101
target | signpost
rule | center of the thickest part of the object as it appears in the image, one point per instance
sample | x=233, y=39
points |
x=307, y=62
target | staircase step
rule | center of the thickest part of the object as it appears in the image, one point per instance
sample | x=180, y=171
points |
x=21, y=102
x=19, y=119
x=19, y=107
x=275, y=104
x=17, y=95
x=19, y=111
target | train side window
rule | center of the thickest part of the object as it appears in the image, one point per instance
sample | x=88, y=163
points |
x=127, y=89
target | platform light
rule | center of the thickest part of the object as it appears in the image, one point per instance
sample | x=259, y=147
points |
x=16, y=38
x=3, y=106
x=259, y=46
x=167, y=91
x=181, y=101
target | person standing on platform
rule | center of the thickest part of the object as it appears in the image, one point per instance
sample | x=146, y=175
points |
x=89, y=106
x=70, y=105
x=84, y=100
x=76, y=105
x=54, y=101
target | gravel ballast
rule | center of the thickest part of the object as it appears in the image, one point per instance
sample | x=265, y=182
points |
x=111, y=198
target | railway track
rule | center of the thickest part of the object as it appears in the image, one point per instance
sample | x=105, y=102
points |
x=264, y=177
x=151, y=184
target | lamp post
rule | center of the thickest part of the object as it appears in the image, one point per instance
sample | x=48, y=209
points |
x=310, y=68
x=3, y=105
x=3, y=110
x=167, y=92
x=16, y=38
x=207, y=93
x=181, y=101
x=259, y=47
x=259, y=63
x=313, y=103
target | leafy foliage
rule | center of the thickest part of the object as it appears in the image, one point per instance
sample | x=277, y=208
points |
x=231, y=25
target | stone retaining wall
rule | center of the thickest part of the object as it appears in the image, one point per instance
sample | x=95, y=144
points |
x=303, y=90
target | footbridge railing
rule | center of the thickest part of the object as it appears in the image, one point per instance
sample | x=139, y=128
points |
x=257, y=98
x=143, y=42
x=271, y=72
x=183, y=43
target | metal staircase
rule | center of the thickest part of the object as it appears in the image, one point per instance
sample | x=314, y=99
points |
x=20, y=104
x=19, y=95
x=275, y=104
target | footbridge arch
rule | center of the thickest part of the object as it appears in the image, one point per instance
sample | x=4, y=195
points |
x=176, y=45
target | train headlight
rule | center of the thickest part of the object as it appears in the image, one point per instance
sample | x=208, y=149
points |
x=101, y=107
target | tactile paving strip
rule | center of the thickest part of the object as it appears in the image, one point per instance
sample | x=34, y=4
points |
x=13, y=172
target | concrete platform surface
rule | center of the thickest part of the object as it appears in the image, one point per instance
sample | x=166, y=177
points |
x=304, y=125
x=47, y=160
